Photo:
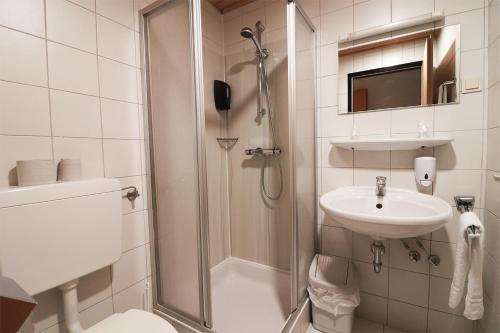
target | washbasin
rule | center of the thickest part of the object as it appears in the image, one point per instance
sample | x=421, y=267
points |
x=397, y=214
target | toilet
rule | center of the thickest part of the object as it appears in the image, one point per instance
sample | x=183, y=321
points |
x=51, y=235
x=132, y=321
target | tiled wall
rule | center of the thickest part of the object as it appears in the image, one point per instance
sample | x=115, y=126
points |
x=260, y=228
x=408, y=296
x=70, y=87
x=491, y=321
x=215, y=127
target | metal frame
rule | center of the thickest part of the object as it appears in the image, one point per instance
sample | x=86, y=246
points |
x=292, y=8
x=376, y=72
x=205, y=322
x=205, y=319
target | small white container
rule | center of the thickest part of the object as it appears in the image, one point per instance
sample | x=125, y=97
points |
x=36, y=172
x=70, y=169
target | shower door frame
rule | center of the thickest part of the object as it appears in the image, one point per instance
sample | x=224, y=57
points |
x=205, y=321
x=292, y=8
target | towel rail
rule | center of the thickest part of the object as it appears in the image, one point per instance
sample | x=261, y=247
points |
x=466, y=204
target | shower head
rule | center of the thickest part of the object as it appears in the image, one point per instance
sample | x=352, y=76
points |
x=248, y=33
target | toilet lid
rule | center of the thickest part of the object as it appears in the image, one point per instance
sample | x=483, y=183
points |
x=132, y=321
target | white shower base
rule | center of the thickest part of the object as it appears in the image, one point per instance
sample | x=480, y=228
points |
x=248, y=297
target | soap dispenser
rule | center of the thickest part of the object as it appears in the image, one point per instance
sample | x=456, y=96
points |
x=425, y=170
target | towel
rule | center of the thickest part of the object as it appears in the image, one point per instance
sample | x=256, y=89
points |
x=469, y=263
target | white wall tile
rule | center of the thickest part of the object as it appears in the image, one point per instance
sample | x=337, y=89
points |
x=122, y=158
x=75, y=115
x=24, y=110
x=115, y=41
x=373, y=123
x=466, y=115
x=130, y=269
x=133, y=230
x=492, y=202
x=70, y=24
x=367, y=177
x=15, y=148
x=328, y=93
x=439, y=295
x=23, y=15
x=336, y=177
x=336, y=24
x=450, y=182
x=88, y=150
x=94, y=288
x=373, y=308
x=493, y=158
x=441, y=322
x=89, y=4
x=336, y=242
x=96, y=313
x=121, y=11
x=406, y=317
x=72, y=70
x=372, y=13
x=409, y=287
x=120, y=120
x=333, y=124
x=130, y=298
x=399, y=258
x=457, y=6
x=27, y=57
x=407, y=120
x=404, y=9
x=372, y=159
x=329, y=59
x=327, y=6
x=465, y=152
x=117, y=81
x=371, y=282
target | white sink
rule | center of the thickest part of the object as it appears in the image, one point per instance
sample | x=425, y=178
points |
x=398, y=214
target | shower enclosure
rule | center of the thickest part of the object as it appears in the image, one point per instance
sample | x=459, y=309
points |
x=232, y=191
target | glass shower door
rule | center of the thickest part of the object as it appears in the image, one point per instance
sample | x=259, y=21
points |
x=172, y=40
x=301, y=106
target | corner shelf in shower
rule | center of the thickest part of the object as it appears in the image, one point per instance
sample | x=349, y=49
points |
x=381, y=144
x=227, y=143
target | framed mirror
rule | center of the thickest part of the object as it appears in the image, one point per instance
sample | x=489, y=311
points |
x=402, y=71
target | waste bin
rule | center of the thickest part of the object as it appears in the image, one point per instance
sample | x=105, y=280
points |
x=334, y=294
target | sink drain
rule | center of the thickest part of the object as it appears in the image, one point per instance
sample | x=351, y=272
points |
x=379, y=205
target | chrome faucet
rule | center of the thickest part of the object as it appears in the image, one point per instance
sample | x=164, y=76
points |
x=381, y=180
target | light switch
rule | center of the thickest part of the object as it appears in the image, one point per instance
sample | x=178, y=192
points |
x=471, y=85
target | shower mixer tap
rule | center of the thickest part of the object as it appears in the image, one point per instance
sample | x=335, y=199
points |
x=263, y=151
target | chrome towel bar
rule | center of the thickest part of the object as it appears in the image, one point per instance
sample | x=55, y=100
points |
x=466, y=204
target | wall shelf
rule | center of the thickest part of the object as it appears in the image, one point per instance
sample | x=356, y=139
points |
x=382, y=144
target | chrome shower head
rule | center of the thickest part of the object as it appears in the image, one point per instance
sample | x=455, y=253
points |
x=246, y=33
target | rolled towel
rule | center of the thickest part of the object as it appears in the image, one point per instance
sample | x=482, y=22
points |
x=468, y=263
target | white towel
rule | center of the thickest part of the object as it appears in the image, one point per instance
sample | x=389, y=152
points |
x=469, y=263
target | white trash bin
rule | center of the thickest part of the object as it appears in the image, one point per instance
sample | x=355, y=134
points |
x=334, y=294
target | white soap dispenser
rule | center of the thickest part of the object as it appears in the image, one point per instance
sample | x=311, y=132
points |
x=425, y=170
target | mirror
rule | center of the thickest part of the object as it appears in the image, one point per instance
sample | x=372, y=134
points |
x=406, y=70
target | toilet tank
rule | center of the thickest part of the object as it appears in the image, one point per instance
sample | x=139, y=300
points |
x=52, y=234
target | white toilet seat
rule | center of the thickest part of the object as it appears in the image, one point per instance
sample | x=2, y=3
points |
x=132, y=321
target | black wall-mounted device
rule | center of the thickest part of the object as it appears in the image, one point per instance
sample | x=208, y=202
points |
x=222, y=95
